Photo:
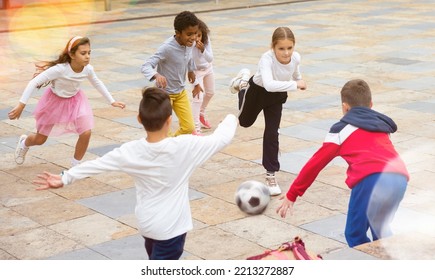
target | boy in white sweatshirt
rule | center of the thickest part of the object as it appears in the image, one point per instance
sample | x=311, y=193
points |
x=161, y=167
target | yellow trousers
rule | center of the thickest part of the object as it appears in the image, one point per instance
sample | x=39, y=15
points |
x=181, y=106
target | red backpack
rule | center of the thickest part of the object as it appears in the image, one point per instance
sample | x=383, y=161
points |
x=294, y=250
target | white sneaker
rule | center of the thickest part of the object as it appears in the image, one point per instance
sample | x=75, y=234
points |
x=20, y=152
x=272, y=184
x=242, y=78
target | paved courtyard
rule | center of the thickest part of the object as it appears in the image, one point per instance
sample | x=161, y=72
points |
x=390, y=44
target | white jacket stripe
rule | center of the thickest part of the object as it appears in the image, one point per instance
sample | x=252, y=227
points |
x=340, y=137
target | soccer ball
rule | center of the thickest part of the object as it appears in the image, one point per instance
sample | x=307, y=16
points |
x=252, y=197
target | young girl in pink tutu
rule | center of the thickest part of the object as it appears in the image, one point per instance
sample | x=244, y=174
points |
x=63, y=108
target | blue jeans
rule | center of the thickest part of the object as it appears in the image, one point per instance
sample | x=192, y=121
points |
x=170, y=249
x=372, y=205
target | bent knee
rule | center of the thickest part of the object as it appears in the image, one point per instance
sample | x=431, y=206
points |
x=244, y=123
x=40, y=139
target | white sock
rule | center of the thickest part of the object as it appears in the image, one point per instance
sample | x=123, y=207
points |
x=75, y=162
x=23, y=144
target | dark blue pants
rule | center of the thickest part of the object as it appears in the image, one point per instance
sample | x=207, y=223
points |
x=251, y=103
x=170, y=249
x=372, y=205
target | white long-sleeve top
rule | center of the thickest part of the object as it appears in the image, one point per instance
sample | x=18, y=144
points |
x=275, y=76
x=65, y=82
x=161, y=173
x=204, y=59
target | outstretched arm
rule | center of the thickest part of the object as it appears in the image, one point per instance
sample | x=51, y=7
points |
x=48, y=180
x=99, y=85
x=111, y=161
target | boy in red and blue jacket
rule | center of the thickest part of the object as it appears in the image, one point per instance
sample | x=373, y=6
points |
x=376, y=174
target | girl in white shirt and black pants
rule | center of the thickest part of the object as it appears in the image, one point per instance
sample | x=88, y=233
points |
x=278, y=72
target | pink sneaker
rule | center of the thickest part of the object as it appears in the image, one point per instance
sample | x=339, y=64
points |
x=204, y=122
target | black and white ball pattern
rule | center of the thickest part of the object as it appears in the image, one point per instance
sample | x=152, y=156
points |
x=252, y=197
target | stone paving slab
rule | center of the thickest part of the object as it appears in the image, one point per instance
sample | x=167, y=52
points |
x=80, y=254
x=41, y=243
x=387, y=43
x=401, y=247
x=348, y=254
x=113, y=204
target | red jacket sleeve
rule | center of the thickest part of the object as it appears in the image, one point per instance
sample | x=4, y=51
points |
x=311, y=169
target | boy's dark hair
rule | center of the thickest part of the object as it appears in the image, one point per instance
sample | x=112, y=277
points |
x=356, y=93
x=184, y=20
x=154, y=109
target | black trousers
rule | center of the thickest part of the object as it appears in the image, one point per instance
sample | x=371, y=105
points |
x=251, y=103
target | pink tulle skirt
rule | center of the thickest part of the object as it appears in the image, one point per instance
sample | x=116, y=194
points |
x=57, y=116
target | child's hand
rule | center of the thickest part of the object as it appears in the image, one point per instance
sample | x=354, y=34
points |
x=16, y=112
x=286, y=206
x=200, y=45
x=160, y=81
x=301, y=85
x=47, y=180
x=191, y=76
x=196, y=90
x=118, y=104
